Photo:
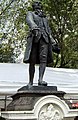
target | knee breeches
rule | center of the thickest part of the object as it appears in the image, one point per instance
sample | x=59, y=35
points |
x=39, y=52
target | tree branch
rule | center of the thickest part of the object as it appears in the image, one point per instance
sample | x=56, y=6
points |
x=7, y=7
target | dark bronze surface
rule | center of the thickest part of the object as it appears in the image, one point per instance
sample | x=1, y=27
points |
x=40, y=43
x=26, y=98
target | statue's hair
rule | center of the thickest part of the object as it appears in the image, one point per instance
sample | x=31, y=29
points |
x=34, y=3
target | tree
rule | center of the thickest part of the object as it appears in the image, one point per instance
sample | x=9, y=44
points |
x=63, y=20
x=63, y=16
x=13, y=29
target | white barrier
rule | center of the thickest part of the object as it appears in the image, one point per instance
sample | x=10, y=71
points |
x=14, y=76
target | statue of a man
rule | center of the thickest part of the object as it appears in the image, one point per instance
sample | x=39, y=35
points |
x=39, y=43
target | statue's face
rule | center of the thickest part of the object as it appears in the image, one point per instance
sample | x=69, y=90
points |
x=37, y=5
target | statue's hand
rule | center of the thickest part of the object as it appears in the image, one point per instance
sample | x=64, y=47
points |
x=55, y=48
x=35, y=32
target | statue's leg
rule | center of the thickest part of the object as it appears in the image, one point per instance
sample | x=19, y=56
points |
x=43, y=60
x=41, y=74
x=31, y=73
x=32, y=65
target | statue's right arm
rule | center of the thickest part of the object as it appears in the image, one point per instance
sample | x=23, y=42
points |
x=30, y=21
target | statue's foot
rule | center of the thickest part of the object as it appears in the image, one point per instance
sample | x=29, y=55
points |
x=29, y=85
x=42, y=83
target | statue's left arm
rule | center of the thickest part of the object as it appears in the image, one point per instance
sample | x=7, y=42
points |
x=54, y=43
x=52, y=40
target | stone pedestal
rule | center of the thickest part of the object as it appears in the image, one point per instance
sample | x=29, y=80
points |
x=38, y=103
x=25, y=98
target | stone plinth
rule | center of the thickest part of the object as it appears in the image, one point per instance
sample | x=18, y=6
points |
x=39, y=103
x=25, y=98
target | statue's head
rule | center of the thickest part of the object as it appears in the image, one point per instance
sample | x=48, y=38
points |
x=37, y=5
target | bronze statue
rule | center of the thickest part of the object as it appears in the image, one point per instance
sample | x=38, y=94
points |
x=40, y=43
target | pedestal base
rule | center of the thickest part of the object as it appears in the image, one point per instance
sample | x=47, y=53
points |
x=25, y=98
x=38, y=89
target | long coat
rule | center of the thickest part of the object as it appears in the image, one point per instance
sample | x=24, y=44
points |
x=34, y=22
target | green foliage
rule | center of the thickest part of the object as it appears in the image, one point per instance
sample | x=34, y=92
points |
x=13, y=28
x=63, y=20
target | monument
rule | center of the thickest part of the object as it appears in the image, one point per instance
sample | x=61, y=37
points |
x=40, y=102
x=40, y=45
